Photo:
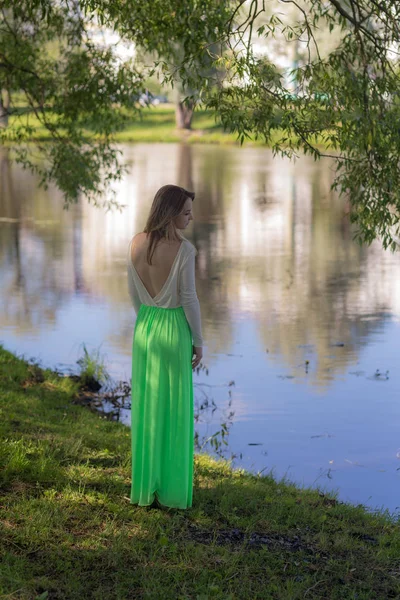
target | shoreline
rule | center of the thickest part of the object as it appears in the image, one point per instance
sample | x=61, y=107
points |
x=157, y=125
x=68, y=528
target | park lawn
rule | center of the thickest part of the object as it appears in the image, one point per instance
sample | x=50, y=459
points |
x=157, y=124
x=68, y=530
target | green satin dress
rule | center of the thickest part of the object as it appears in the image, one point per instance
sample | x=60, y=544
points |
x=162, y=408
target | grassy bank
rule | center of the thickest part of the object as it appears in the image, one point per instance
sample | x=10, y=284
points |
x=68, y=530
x=157, y=124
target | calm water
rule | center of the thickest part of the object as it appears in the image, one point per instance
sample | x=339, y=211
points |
x=280, y=282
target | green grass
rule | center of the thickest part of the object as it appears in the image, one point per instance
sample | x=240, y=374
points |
x=157, y=124
x=68, y=530
x=92, y=368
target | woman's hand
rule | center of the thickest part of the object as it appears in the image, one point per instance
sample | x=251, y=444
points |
x=198, y=352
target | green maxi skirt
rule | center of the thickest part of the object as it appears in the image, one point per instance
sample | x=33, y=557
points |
x=162, y=408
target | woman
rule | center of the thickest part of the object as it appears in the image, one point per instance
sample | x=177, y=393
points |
x=161, y=282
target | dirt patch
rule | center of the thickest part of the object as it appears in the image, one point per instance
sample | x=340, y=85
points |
x=35, y=376
x=253, y=540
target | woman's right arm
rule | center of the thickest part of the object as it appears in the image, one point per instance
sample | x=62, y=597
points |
x=133, y=292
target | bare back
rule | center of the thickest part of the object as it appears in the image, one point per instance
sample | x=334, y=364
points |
x=153, y=276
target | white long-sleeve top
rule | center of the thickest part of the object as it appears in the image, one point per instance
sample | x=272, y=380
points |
x=178, y=290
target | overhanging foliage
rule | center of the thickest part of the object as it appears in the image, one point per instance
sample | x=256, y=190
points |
x=340, y=96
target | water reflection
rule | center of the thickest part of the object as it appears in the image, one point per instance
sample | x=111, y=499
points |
x=293, y=309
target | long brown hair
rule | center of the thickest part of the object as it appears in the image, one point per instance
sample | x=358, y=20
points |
x=167, y=204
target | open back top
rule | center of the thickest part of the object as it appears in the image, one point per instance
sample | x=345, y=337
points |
x=179, y=288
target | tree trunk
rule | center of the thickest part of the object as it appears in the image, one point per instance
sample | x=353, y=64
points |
x=184, y=114
x=4, y=106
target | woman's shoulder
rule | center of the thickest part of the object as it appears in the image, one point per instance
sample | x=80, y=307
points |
x=140, y=239
x=189, y=247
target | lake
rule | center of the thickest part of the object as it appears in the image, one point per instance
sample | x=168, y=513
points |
x=301, y=324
